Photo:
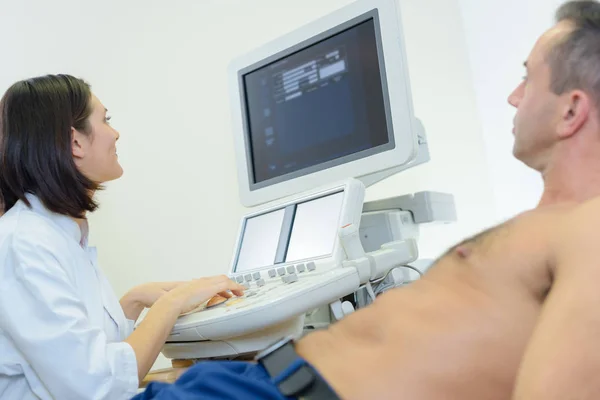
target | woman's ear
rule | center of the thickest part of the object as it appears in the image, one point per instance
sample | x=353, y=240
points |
x=78, y=141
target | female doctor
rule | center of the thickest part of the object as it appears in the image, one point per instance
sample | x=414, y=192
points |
x=63, y=332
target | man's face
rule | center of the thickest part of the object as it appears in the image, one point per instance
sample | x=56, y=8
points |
x=537, y=106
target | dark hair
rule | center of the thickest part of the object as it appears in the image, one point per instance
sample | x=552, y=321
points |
x=36, y=117
x=575, y=60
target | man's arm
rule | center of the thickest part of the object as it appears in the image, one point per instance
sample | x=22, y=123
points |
x=562, y=360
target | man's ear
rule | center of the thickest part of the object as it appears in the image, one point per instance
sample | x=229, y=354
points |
x=575, y=113
x=77, y=143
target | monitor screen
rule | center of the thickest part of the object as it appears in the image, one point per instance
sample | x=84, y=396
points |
x=318, y=106
x=296, y=232
x=260, y=239
x=315, y=228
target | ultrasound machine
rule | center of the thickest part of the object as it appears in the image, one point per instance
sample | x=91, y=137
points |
x=319, y=115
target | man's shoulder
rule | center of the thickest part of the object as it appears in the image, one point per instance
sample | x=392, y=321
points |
x=592, y=205
x=576, y=236
x=542, y=220
x=582, y=217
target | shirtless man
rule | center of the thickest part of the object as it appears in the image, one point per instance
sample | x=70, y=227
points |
x=514, y=307
x=462, y=330
x=510, y=313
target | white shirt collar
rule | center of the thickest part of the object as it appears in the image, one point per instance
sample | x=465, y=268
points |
x=66, y=223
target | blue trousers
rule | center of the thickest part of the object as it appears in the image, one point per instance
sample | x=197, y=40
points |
x=217, y=380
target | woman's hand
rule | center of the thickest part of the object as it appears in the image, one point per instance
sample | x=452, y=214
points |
x=191, y=294
x=142, y=296
x=147, y=293
x=170, y=301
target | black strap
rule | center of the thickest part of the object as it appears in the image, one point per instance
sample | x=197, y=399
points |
x=294, y=376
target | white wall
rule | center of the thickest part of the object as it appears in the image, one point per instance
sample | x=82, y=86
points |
x=159, y=67
x=500, y=36
x=444, y=100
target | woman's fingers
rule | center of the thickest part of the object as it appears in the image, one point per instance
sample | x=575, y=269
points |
x=224, y=283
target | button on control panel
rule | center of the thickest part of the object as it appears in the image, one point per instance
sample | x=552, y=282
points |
x=290, y=278
x=288, y=274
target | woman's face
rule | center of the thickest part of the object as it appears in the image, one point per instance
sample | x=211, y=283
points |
x=95, y=153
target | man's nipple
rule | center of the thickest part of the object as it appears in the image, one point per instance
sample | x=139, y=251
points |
x=463, y=251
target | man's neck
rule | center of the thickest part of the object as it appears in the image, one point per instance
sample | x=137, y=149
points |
x=571, y=177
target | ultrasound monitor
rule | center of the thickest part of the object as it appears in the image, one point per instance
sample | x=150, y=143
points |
x=299, y=231
x=315, y=228
x=260, y=240
x=317, y=107
x=326, y=102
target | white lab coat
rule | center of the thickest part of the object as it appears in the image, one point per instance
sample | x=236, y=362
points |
x=61, y=325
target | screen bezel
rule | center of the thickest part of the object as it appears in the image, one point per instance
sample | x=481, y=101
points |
x=306, y=44
x=400, y=102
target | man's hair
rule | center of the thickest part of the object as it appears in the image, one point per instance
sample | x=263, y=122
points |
x=575, y=60
x=36, y=117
